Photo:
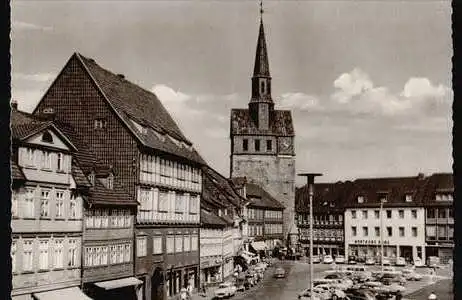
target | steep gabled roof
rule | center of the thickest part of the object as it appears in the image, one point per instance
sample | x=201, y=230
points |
x=210, y=219
x=220, y=188
x=242, y=123
x=138, y=107
x=258, y=197
x=261, y=66
x=100, y=195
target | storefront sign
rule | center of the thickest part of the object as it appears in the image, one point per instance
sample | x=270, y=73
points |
x=370, y=242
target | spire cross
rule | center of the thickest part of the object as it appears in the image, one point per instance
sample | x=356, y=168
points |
x=261, y=9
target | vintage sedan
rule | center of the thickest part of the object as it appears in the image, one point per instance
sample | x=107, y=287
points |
x=226, y=289
x=328, y=259
x=279, y=273
x=400, y=261
x=340, y=259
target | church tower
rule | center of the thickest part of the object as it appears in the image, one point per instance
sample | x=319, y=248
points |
x=262, y=138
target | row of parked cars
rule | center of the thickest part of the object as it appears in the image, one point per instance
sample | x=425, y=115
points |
x=244, y=281
x=340, y=259
x=356, y=282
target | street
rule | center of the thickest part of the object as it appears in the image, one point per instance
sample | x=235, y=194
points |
x=297, y=279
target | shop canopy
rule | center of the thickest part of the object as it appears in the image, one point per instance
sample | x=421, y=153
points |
x=73, y=293
x=259, y=246
x=118, y=283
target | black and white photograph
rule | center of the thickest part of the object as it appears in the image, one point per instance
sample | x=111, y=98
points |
x=233, y=149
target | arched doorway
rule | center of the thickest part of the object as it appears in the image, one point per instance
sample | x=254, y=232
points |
x=157, y=284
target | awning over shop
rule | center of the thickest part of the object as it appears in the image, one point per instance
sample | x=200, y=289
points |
x=259, y=246
x=73, y=293
x=118, y=283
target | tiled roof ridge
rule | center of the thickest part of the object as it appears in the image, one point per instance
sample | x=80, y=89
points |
x=173, y=133
x=222, y=189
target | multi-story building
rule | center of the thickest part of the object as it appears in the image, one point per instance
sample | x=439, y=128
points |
x=262, y=139
x=399, y=222
x=129, y=129
x=216, y=248
x=439, y=216
x=328, y=228
x=46, y=211
x=264, y=218
x=221, y=226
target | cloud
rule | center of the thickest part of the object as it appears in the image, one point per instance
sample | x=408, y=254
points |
x=27, y=99
x=39, y=77
x=357, y=93
x=18, y=25
x=168, y=95
x=299, y=101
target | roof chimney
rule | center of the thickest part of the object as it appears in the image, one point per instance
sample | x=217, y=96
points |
x=14, y=104
x=121, y=76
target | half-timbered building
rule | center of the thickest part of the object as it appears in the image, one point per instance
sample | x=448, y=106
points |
x=129, y=129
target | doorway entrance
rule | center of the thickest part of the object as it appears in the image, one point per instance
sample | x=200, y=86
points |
x=157, y=285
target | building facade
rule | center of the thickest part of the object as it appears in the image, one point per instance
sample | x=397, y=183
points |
x=47, y=211
x=328, y=212
x=262, y=139
x=264, y=220
x=222, y=226
x=399, y=224
x=129, y=129
x=439, y=216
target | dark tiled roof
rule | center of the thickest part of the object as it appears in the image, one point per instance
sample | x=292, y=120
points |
x=260, y=198
x=24, y=124
x=395, y=188
x=261, y=67
x=220, y=188
x=439, y=182
x=20, y=117
x=239, y=182
x=210, y=219
x=133, y=103
x=16, y=172
x=100, y=195
x=78, y=175
x=327, y=197
x=242, y=123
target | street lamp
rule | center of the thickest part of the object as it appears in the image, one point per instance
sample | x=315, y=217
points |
x=310, y=182
x=381, y=234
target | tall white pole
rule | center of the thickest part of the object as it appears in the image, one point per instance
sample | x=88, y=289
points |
x=381, y=235
x=311, y=193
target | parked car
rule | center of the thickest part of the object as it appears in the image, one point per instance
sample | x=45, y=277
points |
x=328, y=259
x=226, y=289
x=340, y=259
x=386, y=261
x=411, y=275
x=279, y=273
x=389, y=279
x=360, y=294
x=433, y=261
x=306, y=294
x=400, y=261
x=316, y=259
x=418, y=263
x=370, y=261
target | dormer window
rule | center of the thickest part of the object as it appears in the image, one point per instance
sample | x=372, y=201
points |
x=360, y=199
x=91, y=178
x=100, y=123
x=219, y=212
x=110, y=182
x=408, y=198
x=47, y=138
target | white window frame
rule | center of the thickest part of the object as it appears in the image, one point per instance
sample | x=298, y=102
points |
x=141, y=246
x=105, y=218
x=58, y=254
x=414, y=230
x=104, y=252
x=46, y=160
x=73, y=213
x=178, y=243
x=30, y=158
x=157, y=244
x=14, y=204
x=98, y=218
x=44, y=247
x=127, y=252
x=194, y=242
x=28, y=260
x=113, y=254
x=59, y=201
x=45, y=203
x=72, y=253
x=13, y=256
x=187, y=243
x=170, y=244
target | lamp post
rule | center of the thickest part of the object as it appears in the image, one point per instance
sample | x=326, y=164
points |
x=310, y=182
x=381, y=235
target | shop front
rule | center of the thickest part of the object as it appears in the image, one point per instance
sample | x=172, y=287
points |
x=373, y=248
x=178, y=278
x=211, y=271
x=123, y=289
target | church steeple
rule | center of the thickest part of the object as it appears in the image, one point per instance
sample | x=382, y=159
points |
x=261, y=104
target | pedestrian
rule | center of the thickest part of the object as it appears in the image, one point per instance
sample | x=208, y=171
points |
x=432, y=296
x=189, y=289
x=398, y=296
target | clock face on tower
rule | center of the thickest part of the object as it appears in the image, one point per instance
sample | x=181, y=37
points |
x=285, y=145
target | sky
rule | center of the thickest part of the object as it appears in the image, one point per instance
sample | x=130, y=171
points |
x=368, y=82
